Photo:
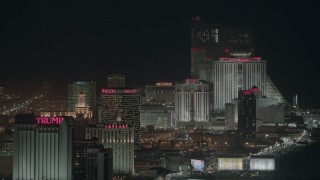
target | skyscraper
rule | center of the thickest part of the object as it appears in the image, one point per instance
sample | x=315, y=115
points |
x=247, y=114
x=192, y=101
x=122, y=105
x=229, y=75
x=120, y=137
x=42, y=147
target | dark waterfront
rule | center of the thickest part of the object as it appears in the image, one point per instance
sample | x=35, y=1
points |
x=301, y=163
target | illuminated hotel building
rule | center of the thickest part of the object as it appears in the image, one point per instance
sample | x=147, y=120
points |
x=120, y=137
x=161, y=93
x=86, y=88
x=233, y=74
x=122, y=105
x=192, y=101
x=42, y=147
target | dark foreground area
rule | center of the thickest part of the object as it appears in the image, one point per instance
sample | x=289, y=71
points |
x=302, y=163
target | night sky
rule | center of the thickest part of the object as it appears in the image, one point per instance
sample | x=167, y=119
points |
x=148, y=42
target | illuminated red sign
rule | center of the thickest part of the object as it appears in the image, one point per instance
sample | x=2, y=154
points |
x=247, y=92
x=255, y=89
x=109, y=91
x=119, y=91
x=192, y=81
x=49, y=120
x=116, y=126
x=240, y=59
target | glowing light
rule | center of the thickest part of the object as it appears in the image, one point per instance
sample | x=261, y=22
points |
x=49, y=120
x=116, y=126
x=240, y=59
x=255, y=89
x=247, y=92
x=230, y=164
x=163, y=84
x=108, y=91
x=192, y=81
x=119, y=91
x=262, y=164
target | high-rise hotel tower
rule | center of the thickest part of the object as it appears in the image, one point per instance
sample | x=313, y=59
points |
x=118, y=136
x=122, y=105
x=42, y=147
x=231, y=74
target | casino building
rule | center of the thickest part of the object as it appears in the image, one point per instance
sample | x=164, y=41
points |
x=42, y=147
x=120, y=138
x=121, y=105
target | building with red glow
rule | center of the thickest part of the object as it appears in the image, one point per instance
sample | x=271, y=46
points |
x=247, y=114
x=229, y=75
x=121, y=105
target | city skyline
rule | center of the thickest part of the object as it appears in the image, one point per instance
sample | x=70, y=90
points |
x=150, y=42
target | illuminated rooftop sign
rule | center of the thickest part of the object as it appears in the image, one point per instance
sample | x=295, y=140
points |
x=49, y=120
x=163, y=84
x=240, y=59
x=247, y=92
x=252, y=90
x=192, y=81
x=119, y=91
x=116, y=126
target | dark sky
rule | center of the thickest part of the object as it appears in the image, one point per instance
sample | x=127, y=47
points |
x=150, y=41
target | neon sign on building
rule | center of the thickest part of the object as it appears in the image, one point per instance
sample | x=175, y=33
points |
x=163, y=84
x=240, y=59
x=116, y=126
x=192, y=81
x=49, y=120
x=119, y=91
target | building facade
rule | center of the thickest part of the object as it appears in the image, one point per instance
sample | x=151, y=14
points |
x=229, y=75
x=192, y=101
x=122, y=105
x=99, y=163
x=162, y=93
x=86, y=88
x=42, y=147
x=120, y=138
x=160, y=117
x=247, y=114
